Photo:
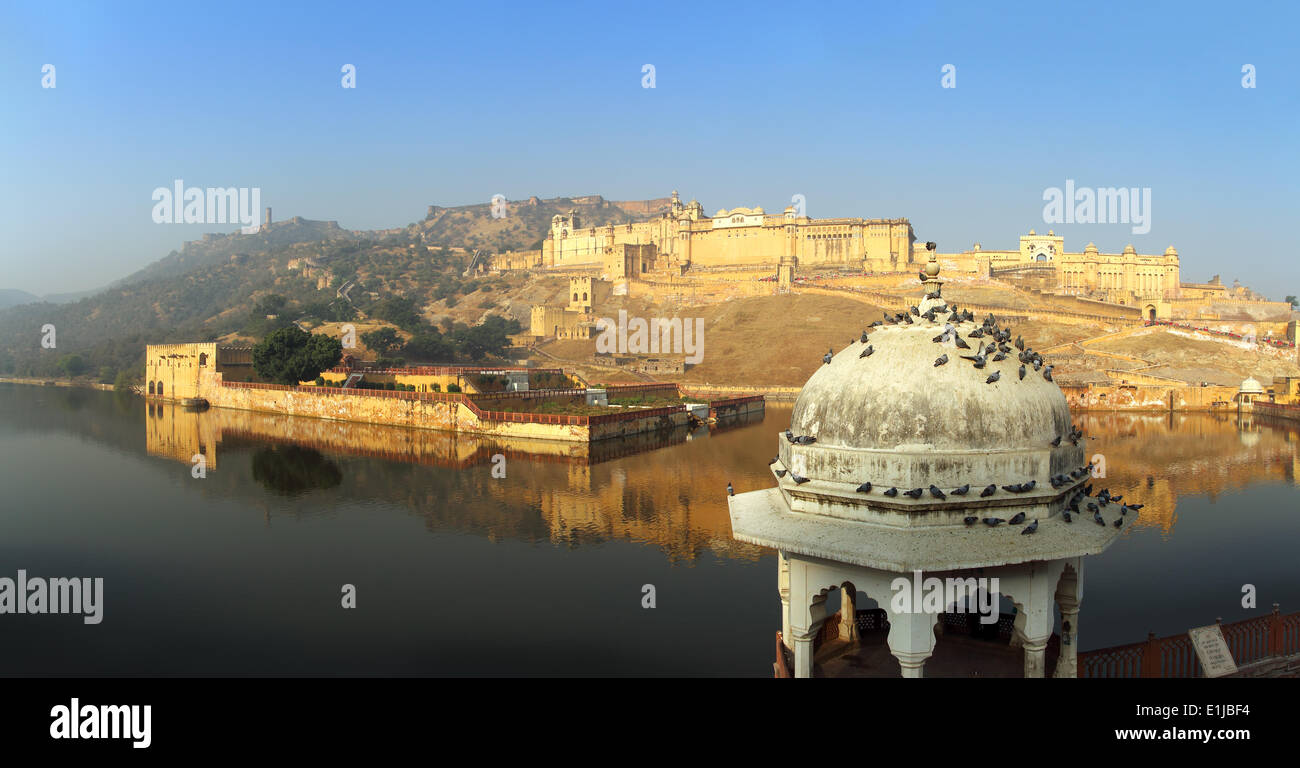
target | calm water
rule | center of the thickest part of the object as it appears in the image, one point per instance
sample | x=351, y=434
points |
x=540, y=572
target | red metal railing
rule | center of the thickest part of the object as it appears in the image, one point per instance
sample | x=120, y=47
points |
x=1249, y=640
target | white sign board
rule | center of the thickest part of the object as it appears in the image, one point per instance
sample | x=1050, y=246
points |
x=1212, y=651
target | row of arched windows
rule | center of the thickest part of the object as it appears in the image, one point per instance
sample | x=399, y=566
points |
x=159, y=388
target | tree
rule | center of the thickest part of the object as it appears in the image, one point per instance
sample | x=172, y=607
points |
x=381, y=341
x=271, y=304
x=1292, y=301
x=72, y=365
x=291, y=355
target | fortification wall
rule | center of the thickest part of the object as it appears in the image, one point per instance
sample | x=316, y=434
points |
x=1148, y=397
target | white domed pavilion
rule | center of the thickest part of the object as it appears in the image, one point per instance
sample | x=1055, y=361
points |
x=995, y=469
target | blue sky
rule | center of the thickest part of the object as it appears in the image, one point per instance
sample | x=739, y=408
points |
x=753, y=103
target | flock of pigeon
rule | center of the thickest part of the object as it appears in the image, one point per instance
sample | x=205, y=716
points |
x=1102, y=500
x=997, y=349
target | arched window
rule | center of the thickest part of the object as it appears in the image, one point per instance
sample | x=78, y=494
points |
x=203, y=358
x=151, y=387
x=160, y=388
x=584, y=295
x=575, y=296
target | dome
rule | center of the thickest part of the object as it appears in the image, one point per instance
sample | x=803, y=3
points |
x=721, y=212
x=1171, y=251
x=894, y=418
x=759, y=210
x=1129, y=250
x=1249, y=387
x=1091, y=248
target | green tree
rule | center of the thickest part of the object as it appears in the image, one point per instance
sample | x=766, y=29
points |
x=381, y=341
x=271, y=304
x=72, y=365
x=1292, y=301
x=291, y=355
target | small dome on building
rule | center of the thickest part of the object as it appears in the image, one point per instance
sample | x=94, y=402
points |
x=721, y=212
x=1171, y=251
x=759, y=210
x=1251, y=387
x=1032, y=232
x=1091, y=248
x=1129, y=250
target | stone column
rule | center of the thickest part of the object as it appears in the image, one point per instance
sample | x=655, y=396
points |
x=783, y=587
x=848, y=613
x=804, y=648
x=1069, y=592
x=911, y=641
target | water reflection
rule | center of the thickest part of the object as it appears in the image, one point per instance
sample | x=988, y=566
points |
x=633, y=489
x=291, y=470
x=666, y=488
x=1159, y=458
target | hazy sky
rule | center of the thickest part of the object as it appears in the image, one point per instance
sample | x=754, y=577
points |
x=753, y=103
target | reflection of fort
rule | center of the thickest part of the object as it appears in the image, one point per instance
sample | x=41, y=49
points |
x=566, y=493
x=668, y=489
x=1155, y=459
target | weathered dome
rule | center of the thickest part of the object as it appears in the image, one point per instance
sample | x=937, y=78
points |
x=1251, y=386
x=894, y=418
x=898, y=400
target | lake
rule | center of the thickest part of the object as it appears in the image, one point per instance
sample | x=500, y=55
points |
x=460, y=571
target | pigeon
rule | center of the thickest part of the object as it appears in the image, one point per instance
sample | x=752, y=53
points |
x=1093, y=508
x=961, y=491
x=730, y=491
x=993, y=521
x=977, y=359
x=1032, y=527
x=940, y=360
x=1018, y=519
x=780, y=473
x=864, y=488
x=789, y=436
x=971, y=520
x=913, y=310
x=864, y=337
x=1136, y=507
x=1098, y=519
x=1020, y=344
x=908, y=318
x=805, y=439
x=1066, y=516
x=1029, y=486
x=941, y=338
x=1123, y=510
x=1047, y=373
x=867, y=352
x=826, y=358
x=915, y=493
x=892, y=492
x=978, y=333
x=1119, y=521
x=1022, y=373
x=996, y=375
x=1057, y=442
x=938, y=494
x=992, y=489
x=1013, y=488
x=960, y=342
x=999, y=357
x=798, y=479
x=920, y=276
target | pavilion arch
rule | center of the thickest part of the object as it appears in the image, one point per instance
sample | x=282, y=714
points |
x=1149, y=311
